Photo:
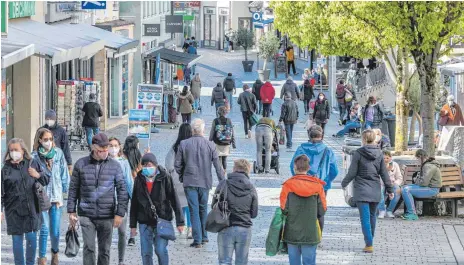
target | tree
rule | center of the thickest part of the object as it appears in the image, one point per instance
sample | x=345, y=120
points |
x=268, y=46
x=245, y=38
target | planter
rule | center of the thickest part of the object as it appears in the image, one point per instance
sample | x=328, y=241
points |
x=247, y=66
x=264, y=74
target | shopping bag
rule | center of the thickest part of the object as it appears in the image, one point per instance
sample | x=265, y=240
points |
x=312, y=104
x=348, y=193
x=274, y=240
x=72, y=242
x=281, y=130
x=253, y=118
x=218, y=217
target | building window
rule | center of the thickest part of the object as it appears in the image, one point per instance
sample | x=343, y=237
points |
x=169, y=7
x=159, y=8
x=145, y=8
x=302, y=53
x=153, y=8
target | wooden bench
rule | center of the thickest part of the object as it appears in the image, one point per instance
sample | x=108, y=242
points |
x=452, y=185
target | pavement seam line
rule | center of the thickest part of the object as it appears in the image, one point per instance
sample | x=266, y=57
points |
x=451, y=235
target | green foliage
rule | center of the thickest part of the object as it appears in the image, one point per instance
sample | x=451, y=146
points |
x=245, y=38
x=268, y=46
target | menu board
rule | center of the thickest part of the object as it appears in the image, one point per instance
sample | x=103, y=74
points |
x=139, y=123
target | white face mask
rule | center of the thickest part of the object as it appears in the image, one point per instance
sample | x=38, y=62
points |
x=377, y=138
x=321, y=98
x=50, y=123
x=47, y=145
x=114, y=151
x=15, y=155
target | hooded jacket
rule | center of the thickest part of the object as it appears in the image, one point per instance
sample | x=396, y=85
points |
x=257, y=89
x=60, y=137
x=366, y=169
x=290, y=87
x=456, y=119
x=218, y=95
x=242, y=199
x=430, y=175
x=229, y=84
x=267, y=93
x=303, y=200
x=321, y=111
x=308, y=91
x=163, y=196
x=185, y=103
x=289, y=112
x=325, y=170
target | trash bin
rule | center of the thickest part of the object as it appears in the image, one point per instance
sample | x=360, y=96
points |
x=391, y=126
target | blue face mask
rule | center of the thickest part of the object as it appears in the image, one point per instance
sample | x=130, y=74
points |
x=149, y=171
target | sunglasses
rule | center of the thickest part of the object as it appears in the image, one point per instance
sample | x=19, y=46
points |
x=47, y=139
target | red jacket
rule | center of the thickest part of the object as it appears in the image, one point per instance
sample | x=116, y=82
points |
x=267, y=93
x=340, y=93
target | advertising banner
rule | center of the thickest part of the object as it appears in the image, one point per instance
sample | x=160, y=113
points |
x=150, y=97
x=139, y=123
x=152, y=30
x=174, y=24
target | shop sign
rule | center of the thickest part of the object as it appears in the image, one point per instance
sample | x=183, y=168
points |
x=223, y=11
x=17, y=9
x=150, y=97
x=180, y=6
x=210, y=11
x=63, y=7
x=140, y=123
x=174, y=24
x=257, y=17
x=188, y=17
x=152, y=30
x=93, y=5
x=4, y=16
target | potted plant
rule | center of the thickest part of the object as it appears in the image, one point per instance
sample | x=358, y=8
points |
x=268, y=46
x=245, y=38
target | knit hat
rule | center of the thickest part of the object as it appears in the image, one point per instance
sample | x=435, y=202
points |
x=149, y=157
x=50, y=114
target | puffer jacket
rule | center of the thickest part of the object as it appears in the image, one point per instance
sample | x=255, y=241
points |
x=218, y=95
x=247, y=102
x=59, y=175
x=19, y=202
x=229, y=84
x=195, y=88
x=289, y=112
x=303, y=200
x=93, y=187
x=366, y=169
x=242, y=198
x=430, y=175
x=267, y=93
x=163, y=196
x=290, y=87
x=185, y=103
x=257, y=89
x=321, y=111
x=60, y=137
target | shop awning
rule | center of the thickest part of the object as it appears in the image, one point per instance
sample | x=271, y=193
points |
x=15, y=52
x=112, y=40
x=60, y=45
x=174, y=57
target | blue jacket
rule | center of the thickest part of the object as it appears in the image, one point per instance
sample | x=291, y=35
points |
x=326, y=170
x=59, y=177
x=127, y=175
x=191, y=50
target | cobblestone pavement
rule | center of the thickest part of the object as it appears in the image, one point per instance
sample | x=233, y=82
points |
x=430, y=240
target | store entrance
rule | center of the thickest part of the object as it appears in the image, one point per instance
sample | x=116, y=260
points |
x=223, y=29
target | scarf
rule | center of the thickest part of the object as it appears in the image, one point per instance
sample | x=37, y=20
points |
x=47, y=154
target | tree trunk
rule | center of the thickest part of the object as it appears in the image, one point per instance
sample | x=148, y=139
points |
x=246, y=55
x=412, y=128
x=402, y=80
x=264, y=64
x=419, y=119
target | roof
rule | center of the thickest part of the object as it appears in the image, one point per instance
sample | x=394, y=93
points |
x=60, y=45
x=453, y=69
x=174, y=57
x=15, y=52
x=115, y=23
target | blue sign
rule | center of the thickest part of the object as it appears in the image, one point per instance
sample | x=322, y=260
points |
x=257, y=16
x=140, y=123
x=93, y=4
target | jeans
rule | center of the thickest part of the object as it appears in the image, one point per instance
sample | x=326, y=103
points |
x=260, y=106
x=267, y=109
x=186, y=213
x=50, y=223
x=348, y=126
x=90, y=132
x=18, y=248
x=197, y=199
x=306, y=105
x=196, y=104
x=103, y=230
x=122, y=235
x=234, y=238
x=342, y=110
x=393, y=203
x=263, y=135
x=218, y=105
x=413, y=190
x=302, y=254
x=148, y=238
x=246, y=121
x=292, y=64
x=229, y=96
x=348, y=110
x=370, y=125
x=289, y=134
x=186, y=118
x=367, y=214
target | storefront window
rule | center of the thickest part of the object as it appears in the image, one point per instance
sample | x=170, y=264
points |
x=125, y=84
x=210, y=27
x=244, y=22
x=114, y=94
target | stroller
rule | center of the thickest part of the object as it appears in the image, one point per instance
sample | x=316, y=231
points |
x=274, y=156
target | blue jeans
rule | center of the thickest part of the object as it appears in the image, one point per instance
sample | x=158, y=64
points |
x=186, y=212
x=413, y=190
x=18, y=248
x=368, y=125
x=148, y=239
x=348, y=126
x=229, y=96
x=367, y=213
x=289, y=134
x=198, y=205
x=298, y=252
x=50, y=223
x=260, y=106
x=90, y=132
x=196, y=104
x=234, y=238
x=393, y=203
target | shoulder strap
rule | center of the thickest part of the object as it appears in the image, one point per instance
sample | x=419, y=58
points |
x=152, y=206
x=322, y=161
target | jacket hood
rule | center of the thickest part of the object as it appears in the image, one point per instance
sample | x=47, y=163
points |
x=304, y=185
x=370, y=152
x=258, y=81
x=432, y=161
x=267, y=85
x=239, y=184
x=184, y=97
x=313, y=148
x=218, y=89
x=289, y=82
x=230, y=77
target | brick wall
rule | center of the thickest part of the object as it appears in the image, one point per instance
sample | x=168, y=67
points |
x=100, y=64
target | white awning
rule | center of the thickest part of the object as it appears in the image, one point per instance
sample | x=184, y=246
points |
x=15, y=52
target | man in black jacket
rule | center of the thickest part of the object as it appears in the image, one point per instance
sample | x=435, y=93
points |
x=95, y=180
x=247, y=102
x=257, y=92
x=59, y=135
x=91, y=121
x=289, y=115
x=229, y=87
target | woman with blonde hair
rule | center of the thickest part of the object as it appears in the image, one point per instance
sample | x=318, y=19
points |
x=52, y=160
x=19, y=177
x=195, y=89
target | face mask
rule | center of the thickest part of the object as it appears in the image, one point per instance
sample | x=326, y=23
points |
x=114, y=151
x=47, y=145
x=377, y=138
x=50, y=123
x=321, y=98
x=148, y=171
x=102, y=155
x=15, y=155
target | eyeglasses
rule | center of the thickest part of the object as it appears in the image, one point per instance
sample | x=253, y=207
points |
x=47, y=139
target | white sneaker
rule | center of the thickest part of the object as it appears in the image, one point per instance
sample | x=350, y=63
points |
x=381, y=215
x=390, y=215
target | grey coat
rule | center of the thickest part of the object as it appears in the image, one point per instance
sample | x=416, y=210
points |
x=290, y=87
x=195, y=88
x=218, y=95
x=178, y=186
x=194, y=160
x=247, y=100
x=366, y=169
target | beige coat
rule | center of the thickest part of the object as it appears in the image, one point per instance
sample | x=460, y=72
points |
x=185, y=103
x=195, y=88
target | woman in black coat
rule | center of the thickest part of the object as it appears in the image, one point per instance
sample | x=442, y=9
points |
x=308, y=93
x=22, y=212
x=321, y=113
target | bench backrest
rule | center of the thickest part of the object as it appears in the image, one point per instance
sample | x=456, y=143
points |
x=450, y=176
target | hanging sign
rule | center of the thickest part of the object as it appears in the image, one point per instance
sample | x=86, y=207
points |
x=140, y=123
x=152, y=30
x=174, y=24
x=150, y=97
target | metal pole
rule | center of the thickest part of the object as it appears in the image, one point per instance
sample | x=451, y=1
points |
x=257, y=61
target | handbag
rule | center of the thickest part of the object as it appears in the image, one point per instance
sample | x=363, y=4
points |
x=312, y=104
x=252, y=117
x=274, y=241
x=348, y=96
x=72, y=242
x=41, y=194
x=164, y=228
x=218, y=217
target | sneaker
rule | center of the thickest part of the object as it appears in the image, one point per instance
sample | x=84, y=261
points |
x=204, y=241
x=390, y=215
x=131, y=242
x=368, y=249
x=189, y=233
x=381, y=215
x=196, y=245
x=410, y=217
x=266, y=172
